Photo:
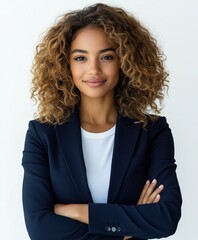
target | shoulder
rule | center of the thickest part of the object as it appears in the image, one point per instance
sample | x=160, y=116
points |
x=159, y=128
x=40, y=127
x=158, y=124
x=40, y=135
x=40, y=130
x=154, y=123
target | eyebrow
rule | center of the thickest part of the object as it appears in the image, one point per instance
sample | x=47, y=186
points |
x=101, y=51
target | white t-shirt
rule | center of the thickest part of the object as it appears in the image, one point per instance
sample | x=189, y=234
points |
x=97, y=152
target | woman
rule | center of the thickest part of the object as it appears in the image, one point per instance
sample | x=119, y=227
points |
x=96, y=164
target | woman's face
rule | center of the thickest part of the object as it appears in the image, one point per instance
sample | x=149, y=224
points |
x=94, y=63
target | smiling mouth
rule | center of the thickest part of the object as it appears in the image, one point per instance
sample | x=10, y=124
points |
x=94, y=82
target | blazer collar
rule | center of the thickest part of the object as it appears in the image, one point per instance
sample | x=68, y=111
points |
x=69, y=138
x=126, y=136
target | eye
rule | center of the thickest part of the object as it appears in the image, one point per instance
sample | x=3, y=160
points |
x=80, y=58
x=107, y=57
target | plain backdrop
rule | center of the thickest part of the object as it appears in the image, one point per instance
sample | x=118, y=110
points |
x=174, y=23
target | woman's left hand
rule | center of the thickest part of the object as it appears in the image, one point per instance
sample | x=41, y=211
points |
x=77, y=212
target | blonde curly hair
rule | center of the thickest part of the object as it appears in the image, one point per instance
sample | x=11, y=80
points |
x=143, y=78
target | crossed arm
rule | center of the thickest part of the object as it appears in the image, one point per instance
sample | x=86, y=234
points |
x=80, y=212
x=75, y=221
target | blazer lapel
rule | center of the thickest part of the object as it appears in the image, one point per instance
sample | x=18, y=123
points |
x=69, y=138
x=126, y=135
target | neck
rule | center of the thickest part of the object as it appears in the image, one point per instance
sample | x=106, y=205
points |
x=98, y=114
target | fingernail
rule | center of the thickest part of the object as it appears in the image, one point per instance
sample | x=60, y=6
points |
x=147, y=182
x=158, y=196
x=154, y=181
x=161, y=186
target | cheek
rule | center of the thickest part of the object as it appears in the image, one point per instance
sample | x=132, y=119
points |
x=112, y=68
x=114, y=71
x=76, y=70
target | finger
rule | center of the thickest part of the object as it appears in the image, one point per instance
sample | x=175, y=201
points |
x=127, y=237
x=149, y=191
x=157, y=199
x=155, y=193
x=143, y=192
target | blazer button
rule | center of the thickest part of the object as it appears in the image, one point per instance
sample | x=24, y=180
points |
x=107, y=229
x=118, y=229
x=113, y=229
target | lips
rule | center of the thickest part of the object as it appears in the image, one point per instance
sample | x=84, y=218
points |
x=94, y=82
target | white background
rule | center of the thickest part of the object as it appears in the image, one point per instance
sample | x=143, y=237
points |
x=173, y=23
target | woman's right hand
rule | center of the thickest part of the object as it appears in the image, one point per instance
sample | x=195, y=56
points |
x=149, y=195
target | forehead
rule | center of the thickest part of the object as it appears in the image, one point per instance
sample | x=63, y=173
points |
x=91, y=37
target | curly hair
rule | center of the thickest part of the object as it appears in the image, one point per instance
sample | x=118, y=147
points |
x=143, y=78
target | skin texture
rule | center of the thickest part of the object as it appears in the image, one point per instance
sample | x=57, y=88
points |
x=80, y=212
x=94, y=64
x=95, y=71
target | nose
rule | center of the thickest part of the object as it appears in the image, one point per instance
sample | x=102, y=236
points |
x=94, y=67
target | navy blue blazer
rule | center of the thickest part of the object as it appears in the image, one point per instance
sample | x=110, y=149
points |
x=54, y=172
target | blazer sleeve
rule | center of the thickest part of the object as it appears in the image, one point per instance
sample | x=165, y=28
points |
x=155, y=220
x=38, y=197
x=41, y=221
